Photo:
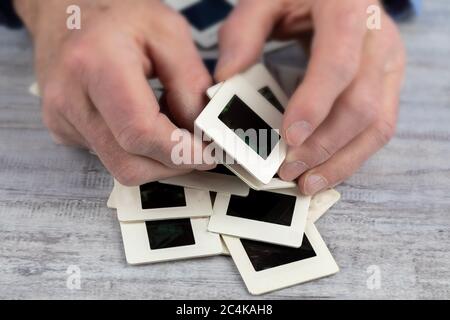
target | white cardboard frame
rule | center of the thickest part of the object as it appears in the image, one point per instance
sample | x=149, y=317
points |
x=211, y=181
x=258, y=77
x=321, y=203
x=252, y=182
x=226, y=139
x=138, y=251
x=259, y=282
x=290, y=236
x=129, y=207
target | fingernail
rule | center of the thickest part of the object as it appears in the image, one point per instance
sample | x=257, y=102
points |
x=314, y=183
x=291, y=170
x=298, y=132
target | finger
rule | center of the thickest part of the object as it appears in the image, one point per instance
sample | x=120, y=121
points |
x=295, y=23
x=353, y=112
x=340, y=27
x=63, y=100
x=243, y=35
x=346, y=161
x=128, y=169
x=180, y=68
x=119, y=89
x=61, y=130
x=66, y=107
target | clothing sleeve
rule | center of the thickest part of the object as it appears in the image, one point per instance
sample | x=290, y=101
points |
x=8, y=16
x=403, y=9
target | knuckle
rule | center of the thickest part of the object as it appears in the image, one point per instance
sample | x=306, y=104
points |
x=223, y=30
x=60, y=140
x=345, y=62
x=128, y=136
x=77, y=56
x=53, y=101
x=97, y=135
x=175, y=27
x=54, y=129
x=384, y=131
x=364, y=107
x=181, y=23
x=56, y=103
x=176, y=23
x=346, y=20
x=397, y=61
x=341, y=173
x=49, y=122
x=137, y=138
x=200, y=81
x=322, y=150
x=308, y=111
x=127, y=174
x=229, y=27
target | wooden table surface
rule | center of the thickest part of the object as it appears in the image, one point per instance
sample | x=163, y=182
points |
x=394, y=213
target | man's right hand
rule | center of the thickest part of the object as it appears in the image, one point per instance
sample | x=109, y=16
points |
x=94, y=84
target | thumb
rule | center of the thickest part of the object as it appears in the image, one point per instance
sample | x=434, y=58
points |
x=243, y=35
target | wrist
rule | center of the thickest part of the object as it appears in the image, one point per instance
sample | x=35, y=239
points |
x=43, y=18
x=27, y=10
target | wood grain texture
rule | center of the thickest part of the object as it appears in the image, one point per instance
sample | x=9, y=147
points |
x=394, y=213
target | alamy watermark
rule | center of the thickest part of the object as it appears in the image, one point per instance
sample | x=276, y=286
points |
x=244, y=143
x=373, y=282
x=374, y=19
x=73, y=21
x=373, y=22
x=73, y=281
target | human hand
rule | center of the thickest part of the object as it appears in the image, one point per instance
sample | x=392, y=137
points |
x=346, y=107
x=94, y=85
